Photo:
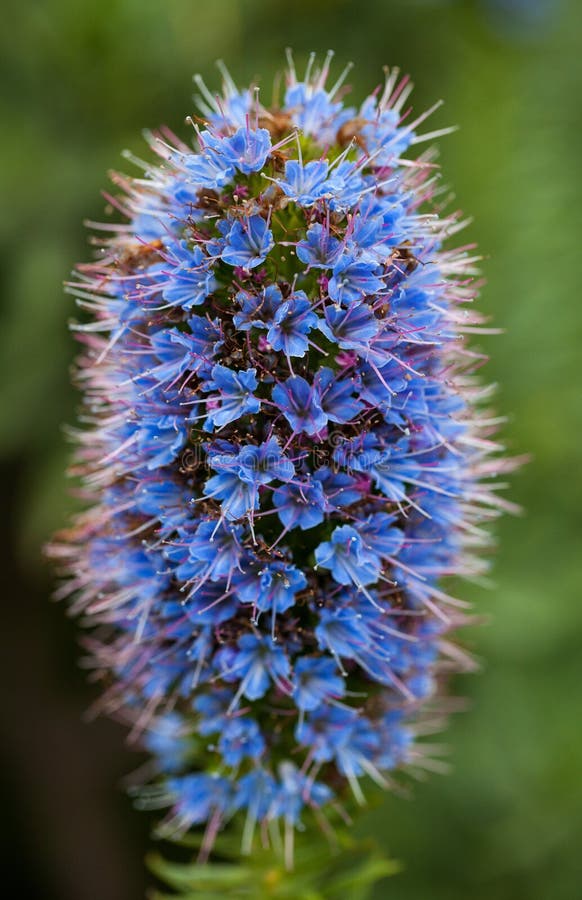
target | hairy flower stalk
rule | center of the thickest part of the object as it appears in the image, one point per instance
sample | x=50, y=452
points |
x=284, y=451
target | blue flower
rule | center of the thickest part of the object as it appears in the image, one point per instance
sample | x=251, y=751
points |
x=300, y=403
x=150, y=221
x=248, y=149
x=255, y=792
x=167, y=740
x=197, y=797
x=160, y=440
x=346, y=187
x=341, y=736
x=390, y=467
x=213, y=710
x=316, y=681
x=262, y=464
x=319, y=249
x=235, y=393
x=339, y=489
x=300, y=505
x=240, y=475
x=304, y=183
x=291, y=324
x=228, y=112
x=207, y=606
x=181, y=352
x=353, y=279
x=237, y=498
x=348, y=558
x=258, y=310
x=336, y=396
x=247, y=243
x=379, y=386
x=380, y=534
x=352, y=328
x=313, y=109
x=205, y=336
x=165, y=500
x=368, y=237
x=421, y=686
x=210, y=168
x=381, y=133
x=270, y=587
x=214, y=552
x=326, y=731
x=191, y=281
x=342, y=631
x=257, y=664
x=297, y=790
x=240, y=738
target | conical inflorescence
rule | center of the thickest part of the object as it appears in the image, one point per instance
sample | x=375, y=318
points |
x=284, y=451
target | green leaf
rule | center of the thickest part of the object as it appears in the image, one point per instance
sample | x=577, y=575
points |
x=319, y=873
x=200, y=875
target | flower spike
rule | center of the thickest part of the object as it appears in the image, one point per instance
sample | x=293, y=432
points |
x=284, y=450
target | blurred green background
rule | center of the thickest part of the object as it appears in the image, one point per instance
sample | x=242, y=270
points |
x=79, y=82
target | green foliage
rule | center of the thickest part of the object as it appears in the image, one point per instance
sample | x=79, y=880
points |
x=349, y=870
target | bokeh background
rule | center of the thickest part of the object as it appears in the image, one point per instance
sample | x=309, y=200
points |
x=79, y=82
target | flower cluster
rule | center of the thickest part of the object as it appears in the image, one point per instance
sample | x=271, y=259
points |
x=283, y=453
